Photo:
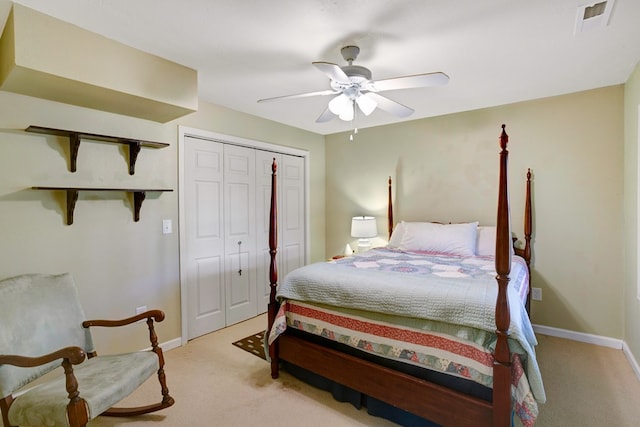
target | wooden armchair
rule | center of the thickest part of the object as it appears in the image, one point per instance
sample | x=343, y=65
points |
x=43, y=328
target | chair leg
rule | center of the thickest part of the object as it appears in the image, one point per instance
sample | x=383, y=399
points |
x=77, y=413
x=5, y=403
x=77, y=410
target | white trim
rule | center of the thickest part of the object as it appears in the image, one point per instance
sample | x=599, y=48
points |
x=167, y=345
x=182, y=237
x=638, y=205
x=632, y=360
x=592, y=339
x=184, y=131
x=230, y=139
x=579, y=336
x=171, y=344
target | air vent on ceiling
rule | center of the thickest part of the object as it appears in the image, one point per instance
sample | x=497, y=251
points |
x=592, y=16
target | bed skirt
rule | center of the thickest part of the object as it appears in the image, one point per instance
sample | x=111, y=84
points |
x=341, y=393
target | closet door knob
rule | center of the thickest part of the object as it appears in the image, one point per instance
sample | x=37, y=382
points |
x=239, y=258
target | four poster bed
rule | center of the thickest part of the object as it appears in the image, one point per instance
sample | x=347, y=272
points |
x=417, y=331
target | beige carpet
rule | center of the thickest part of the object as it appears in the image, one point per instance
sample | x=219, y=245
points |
x=217, y=384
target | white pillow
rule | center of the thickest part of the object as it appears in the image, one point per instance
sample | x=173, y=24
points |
x=487, y=241
x=456, y=239
x=396, y=235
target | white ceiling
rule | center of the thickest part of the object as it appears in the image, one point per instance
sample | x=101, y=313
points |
x=494, y=51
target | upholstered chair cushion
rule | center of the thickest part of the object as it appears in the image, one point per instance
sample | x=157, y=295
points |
x=101, y=383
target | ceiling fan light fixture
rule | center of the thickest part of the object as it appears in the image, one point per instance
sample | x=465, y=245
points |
x=339, y=103
x=348, y=113
x=366, y=104
x=352, y=85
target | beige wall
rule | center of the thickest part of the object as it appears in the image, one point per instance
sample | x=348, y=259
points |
x=631, y=124
x=118, y=264
x=446, y=169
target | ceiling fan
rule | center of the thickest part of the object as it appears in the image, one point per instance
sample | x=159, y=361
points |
x=352, y=86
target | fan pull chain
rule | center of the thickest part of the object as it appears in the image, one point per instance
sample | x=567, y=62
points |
x=239, y=259
x=355, y=129
x=355, y=132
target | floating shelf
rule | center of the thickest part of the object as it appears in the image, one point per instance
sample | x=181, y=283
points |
x=139, y=194
x=75, y=137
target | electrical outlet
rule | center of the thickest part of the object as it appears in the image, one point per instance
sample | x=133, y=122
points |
x=536, y=294
x=141, y=309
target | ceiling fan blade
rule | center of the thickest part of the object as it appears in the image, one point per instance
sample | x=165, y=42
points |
x=300, y=95
x=408, y=82
x=333, y=71
x=390, y=106
x=325, y=116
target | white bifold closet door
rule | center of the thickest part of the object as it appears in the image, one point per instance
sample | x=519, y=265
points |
x=240, y=233
x=291, y=235
x=227, y=197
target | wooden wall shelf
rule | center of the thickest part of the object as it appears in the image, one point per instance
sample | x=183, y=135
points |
x=139, y=194
x=75, y=137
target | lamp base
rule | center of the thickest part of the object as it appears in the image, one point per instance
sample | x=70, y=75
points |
x=363, y=245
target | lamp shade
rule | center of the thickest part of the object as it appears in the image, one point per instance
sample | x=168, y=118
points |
x=363, y=227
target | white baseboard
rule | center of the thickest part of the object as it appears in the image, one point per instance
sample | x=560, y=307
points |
x=592, y=339
x=171, y=344
x=168, y=345
x=632, y=360
x=579, y=336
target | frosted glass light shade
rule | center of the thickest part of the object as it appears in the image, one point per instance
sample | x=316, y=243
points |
x=348, y=114
x=366, y=104
x=339, y=104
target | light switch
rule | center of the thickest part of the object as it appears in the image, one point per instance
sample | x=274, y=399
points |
x=166, y=226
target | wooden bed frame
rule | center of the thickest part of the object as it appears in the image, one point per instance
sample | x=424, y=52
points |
x=417, y=396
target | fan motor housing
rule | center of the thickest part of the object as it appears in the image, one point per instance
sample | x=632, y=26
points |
x=357, y=71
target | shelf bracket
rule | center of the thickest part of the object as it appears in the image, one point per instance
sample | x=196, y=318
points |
x=72, y=198
x=134, y=149
x=74, y=146
x=138, y=198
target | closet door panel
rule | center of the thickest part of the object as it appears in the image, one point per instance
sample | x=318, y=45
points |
x=208, y=297
x=292, y=214
x=240, y=233
x=204, y=240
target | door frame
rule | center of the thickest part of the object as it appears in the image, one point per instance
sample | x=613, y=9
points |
x=185, y=131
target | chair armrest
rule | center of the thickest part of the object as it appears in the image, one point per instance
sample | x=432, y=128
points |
x=75, y=355
x=157, y=315
x=151, y=315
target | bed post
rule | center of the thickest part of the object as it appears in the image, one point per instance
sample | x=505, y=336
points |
x=273, y=271
x=502, y=362
x=527, y=220
x=390, y=211
x=527, y=235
